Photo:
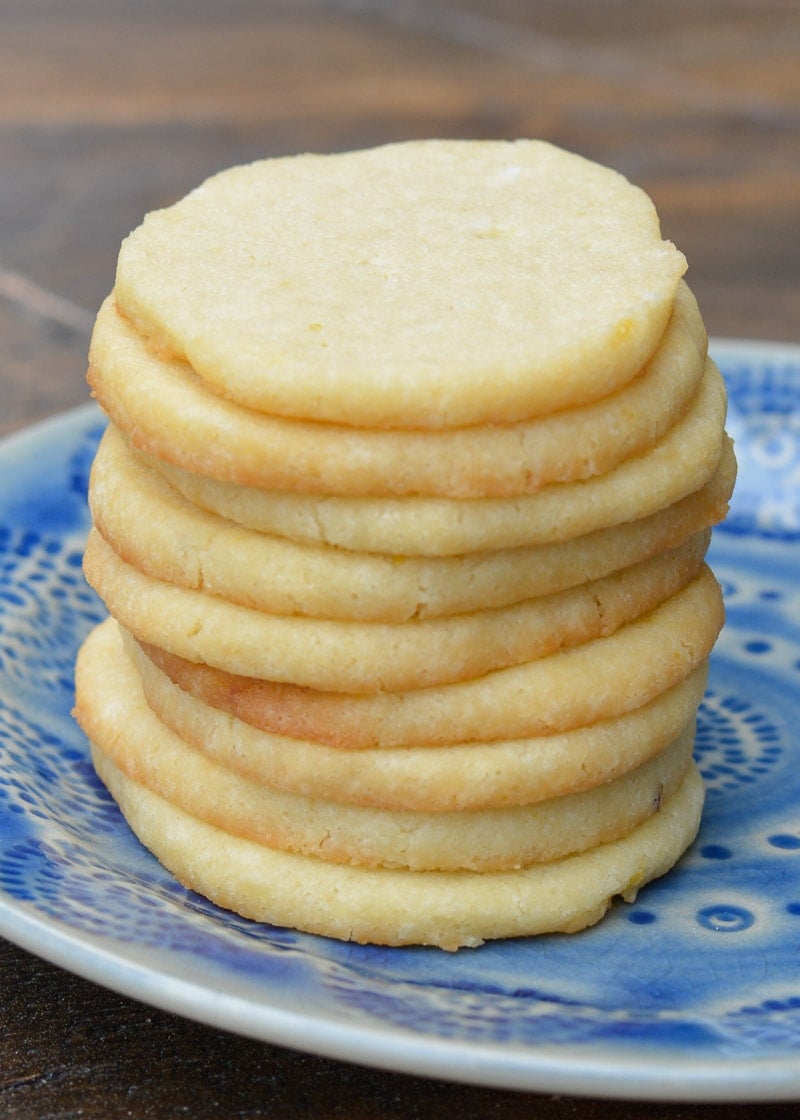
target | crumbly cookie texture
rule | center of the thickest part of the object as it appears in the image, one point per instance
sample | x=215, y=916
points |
x=678, y=465
x=429, y=284
x=120, y=723
x=149, y=523
x=627, y=669
x=401, y=520
x=365, y=657
x=384, y=906
x=462, y=776
x=166, y=410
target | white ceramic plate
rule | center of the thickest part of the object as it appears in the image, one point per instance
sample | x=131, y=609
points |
x=691, y=993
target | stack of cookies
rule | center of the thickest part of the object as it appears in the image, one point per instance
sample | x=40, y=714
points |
x=400, y=519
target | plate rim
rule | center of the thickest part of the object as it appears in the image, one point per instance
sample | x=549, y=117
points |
x=516, y=1067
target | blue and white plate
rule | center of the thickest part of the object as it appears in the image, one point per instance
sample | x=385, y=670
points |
x=692, y=993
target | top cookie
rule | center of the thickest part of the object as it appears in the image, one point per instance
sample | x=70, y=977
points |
x=428, y=284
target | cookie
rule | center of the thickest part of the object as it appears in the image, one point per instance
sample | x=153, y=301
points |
x=459, y=776
x=167, y=411
x=359, y=657
x=626, y=670
x=401, y=520
x=115, y=716
x=679, y=464
x=430, y=284
x=155, y=529
x=448, y=909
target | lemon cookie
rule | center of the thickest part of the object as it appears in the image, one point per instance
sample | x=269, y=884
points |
x=402, y=520
x=448, y=909
x=679, y=464
x=594, y=681
x=354, y=656
x=155, y=529
x=427, y=284
x=167, y=411
x=458, y=776
x=115, y=716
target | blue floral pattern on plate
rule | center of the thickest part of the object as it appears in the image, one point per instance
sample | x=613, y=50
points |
x=692, y=992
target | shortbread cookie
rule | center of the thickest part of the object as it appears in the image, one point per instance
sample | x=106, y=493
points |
x=155, y=529
x=683, y=461
x=170, y=413
x=449, y=909
x=460, y=776
x=114, y=715
x=347, y=656
x=598, y=680
x=430, y=284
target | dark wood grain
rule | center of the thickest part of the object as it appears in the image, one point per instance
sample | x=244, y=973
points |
x=110, y=108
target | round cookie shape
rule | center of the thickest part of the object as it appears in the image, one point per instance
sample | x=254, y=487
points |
x=456, y=776
x=152, y=527
x=384, y=906
x=628, y=669
x=683, y=461
x=364, y=657
x=428, y=284
x=116, y=717
x=167, y=411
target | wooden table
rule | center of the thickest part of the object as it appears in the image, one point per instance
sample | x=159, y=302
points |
x=110, y=108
